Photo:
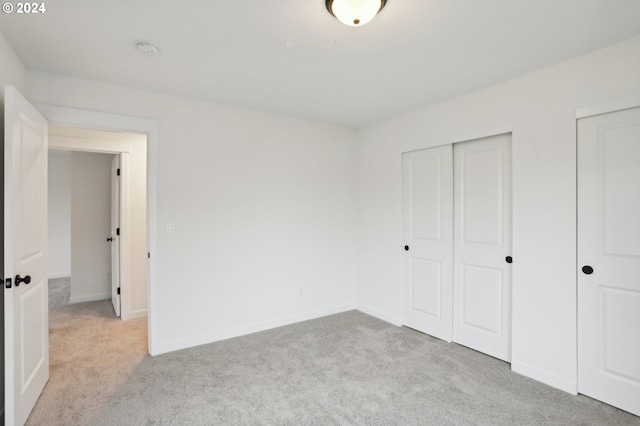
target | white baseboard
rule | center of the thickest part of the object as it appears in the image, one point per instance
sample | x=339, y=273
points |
x=249, y=329
x=138, y=314
x=380, y=315
x=545, y=377
x=59, y=275
x=90, y=298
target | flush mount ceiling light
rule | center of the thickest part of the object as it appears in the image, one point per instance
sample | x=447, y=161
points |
x=355, y=13
x=147, y=49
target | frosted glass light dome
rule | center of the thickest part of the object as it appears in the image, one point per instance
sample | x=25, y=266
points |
x=355, y=13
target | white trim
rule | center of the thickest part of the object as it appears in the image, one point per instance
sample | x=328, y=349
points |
x=380, y=315
x=59, y=275
x=84, y=145
x=72, y=117
x=617, y=105
x=90, y=298
x=466, y=136
x=143, y=313
x=545, y=377
x=248, y=329
x=486, y=133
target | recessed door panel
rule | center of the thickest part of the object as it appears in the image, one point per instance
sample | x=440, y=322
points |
x=481, y=196
x=482, y=290
x=33, y=321
x=427, y=286
x=620, y=355
x=609, y=258
x=482, y=241
x=30, y=205
x=428, y=238
x=618, y=166
x=426, y=198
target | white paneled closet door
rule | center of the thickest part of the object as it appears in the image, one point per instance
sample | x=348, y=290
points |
x=457, y=231
x=482, y=245
x=428, y=235
x=609, y=258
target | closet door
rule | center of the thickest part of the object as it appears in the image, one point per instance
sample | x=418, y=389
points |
x=609, y=258
x=428, y=235
x=482, y=245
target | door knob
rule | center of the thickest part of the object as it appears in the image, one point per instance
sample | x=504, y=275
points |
x=587, y=270
x=19, y=280
x=110, y=239
x=509, y=259
x=406, y=248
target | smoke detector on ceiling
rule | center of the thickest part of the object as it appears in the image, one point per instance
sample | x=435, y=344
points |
x=147, y=49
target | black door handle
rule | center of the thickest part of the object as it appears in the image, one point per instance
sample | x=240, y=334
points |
x=19, y=279
x=406, y=248
x=587, y=270
x=509, y=259
x=110, y=239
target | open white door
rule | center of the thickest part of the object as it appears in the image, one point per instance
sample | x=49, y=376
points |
x=609, y=258
x=428, y=235
x=115, y=234
x=482, y=245
x=26, y=319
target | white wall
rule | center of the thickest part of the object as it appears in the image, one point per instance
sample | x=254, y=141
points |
x=134, y=296
x=11, y=72
x=11, y=69
x=263, y=208
x=90, y=226
x=540, y=110
x=59, y=214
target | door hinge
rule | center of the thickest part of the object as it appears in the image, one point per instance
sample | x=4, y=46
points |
x=148, y=255
x=7, y=283
x=118, y=231
x=118, y=290
x=118, y=172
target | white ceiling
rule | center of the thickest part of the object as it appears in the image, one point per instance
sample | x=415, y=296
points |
x=415, y=53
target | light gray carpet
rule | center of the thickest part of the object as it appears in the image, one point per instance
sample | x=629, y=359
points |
x=59, y=292
x=91, y=354
x=346, y=369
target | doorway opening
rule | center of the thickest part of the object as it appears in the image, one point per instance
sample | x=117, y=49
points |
x=107, y=217
x=77, y=119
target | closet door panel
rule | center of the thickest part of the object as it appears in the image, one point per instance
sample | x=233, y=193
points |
x=609, y=258
x=482, y=242
x=428, y=239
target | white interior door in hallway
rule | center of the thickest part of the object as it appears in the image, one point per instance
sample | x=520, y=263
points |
x=457, y=281
x=114, y=238
x=609, y=258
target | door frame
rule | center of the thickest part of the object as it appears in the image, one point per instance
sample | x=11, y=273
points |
x=605, y=108
x=72, y=117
